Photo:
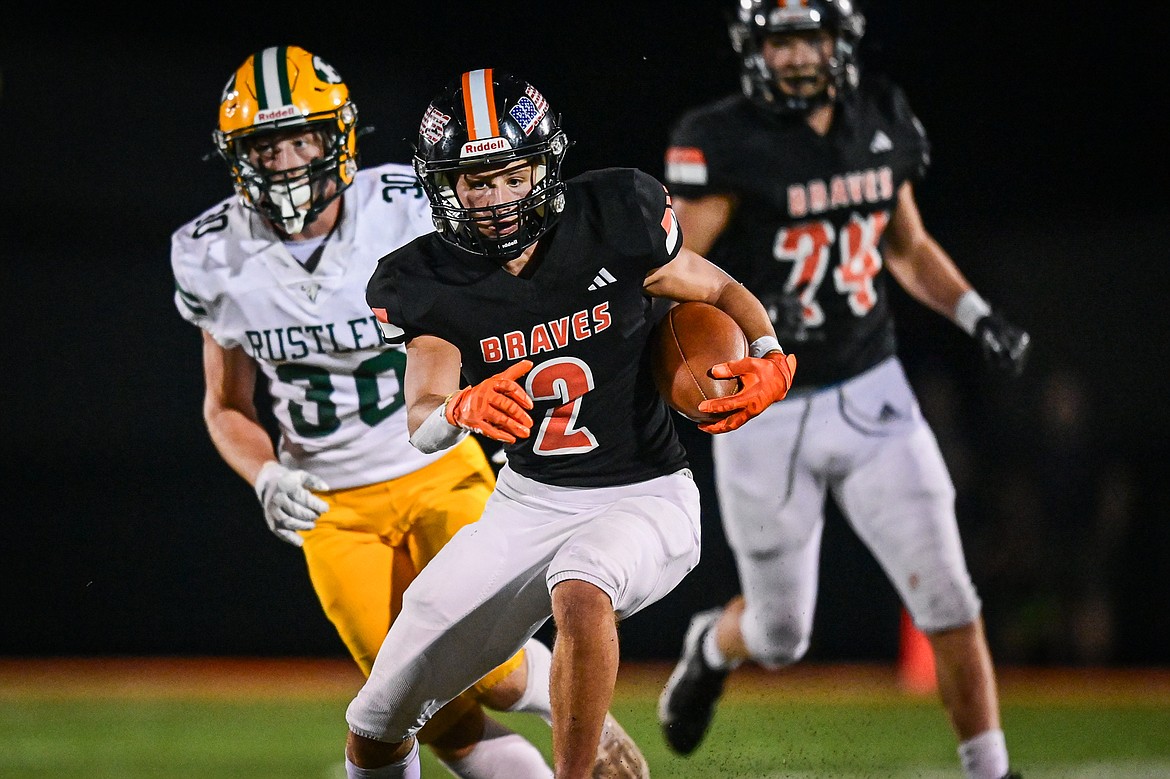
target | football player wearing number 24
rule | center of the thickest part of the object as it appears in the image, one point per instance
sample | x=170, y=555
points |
x=275, y=277
x=803, y=186
x=535, y=294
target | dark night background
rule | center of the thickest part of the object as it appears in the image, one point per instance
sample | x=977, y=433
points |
x=126, y=534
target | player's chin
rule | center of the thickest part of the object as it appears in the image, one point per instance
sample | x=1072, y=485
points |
x=499, y=230
x=801, y=86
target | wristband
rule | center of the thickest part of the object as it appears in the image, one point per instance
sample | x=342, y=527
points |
x=969, y=310
x=763, y=345
x=436, y=433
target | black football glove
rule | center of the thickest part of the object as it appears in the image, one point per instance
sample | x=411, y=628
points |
x=1004, y=345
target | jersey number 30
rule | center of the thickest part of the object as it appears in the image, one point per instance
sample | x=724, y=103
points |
x=371, y=409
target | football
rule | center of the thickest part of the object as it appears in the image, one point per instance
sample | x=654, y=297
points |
x=685, y=343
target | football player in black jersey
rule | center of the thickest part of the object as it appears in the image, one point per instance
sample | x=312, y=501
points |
x=537, y=293
x=802, y=187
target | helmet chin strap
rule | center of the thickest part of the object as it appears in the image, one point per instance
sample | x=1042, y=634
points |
x=293, y=202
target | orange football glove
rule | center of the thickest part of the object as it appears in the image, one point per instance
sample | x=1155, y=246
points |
x=765, y=380
x=496, y=407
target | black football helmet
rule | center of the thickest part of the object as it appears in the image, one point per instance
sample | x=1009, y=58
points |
x=486, y=118
x=757, y=19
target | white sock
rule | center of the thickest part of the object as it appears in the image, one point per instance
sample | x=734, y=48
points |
x=984, y=756
x=407, y=768
x=501, y=754
x=535, y=699
x=713, y=656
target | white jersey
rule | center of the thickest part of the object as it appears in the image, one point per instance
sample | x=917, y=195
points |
x=336, y=388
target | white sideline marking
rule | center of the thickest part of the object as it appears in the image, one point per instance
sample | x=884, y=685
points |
x=1128, y=769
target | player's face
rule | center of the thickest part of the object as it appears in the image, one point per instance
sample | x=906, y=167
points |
x=285, y=150
x=488, y=193
x=799, y=61
x=283, y=158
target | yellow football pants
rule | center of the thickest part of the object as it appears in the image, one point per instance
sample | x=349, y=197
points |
x=374, y=540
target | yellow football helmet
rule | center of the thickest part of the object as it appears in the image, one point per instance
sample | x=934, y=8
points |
x=275, y=90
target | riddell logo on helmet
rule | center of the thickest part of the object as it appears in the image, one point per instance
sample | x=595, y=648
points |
x=273, y=114
x=485, y=146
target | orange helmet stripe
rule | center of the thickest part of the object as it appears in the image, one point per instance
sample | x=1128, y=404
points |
x=479, y=104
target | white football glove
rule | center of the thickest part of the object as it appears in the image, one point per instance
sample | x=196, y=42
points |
x=288, y=504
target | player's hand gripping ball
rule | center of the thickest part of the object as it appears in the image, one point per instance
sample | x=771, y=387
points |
x=685, y=343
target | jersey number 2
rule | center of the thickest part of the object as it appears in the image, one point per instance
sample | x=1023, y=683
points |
x=566, y=380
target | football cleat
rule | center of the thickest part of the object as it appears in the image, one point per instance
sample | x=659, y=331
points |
x=688, y=700
x=618, y=757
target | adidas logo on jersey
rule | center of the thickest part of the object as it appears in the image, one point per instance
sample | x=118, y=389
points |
x=311, y=289
x=602, y=278
x=880, y=143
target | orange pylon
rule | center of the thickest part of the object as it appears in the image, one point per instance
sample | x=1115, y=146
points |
x=915, y=659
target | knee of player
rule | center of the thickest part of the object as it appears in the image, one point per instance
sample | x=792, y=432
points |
x=951, y=606
x=775, y=645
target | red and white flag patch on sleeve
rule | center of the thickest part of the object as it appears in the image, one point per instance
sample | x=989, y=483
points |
x=686, y=165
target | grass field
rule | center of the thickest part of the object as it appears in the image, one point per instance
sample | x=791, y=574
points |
x=213, y=718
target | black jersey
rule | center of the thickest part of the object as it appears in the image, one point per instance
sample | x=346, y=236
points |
x=582, y=317
x=806, y=233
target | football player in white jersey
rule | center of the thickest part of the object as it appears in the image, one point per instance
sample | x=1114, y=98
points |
x=275, y=277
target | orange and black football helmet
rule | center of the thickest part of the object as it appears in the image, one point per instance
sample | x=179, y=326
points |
x=488, y=117
x=275, y=90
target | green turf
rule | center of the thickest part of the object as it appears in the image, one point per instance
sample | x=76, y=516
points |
x=128, y=739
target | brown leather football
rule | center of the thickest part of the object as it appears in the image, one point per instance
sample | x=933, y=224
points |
x=685, y=343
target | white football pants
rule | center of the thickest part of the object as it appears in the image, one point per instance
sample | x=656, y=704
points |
x=867, y=441
x=487, y=591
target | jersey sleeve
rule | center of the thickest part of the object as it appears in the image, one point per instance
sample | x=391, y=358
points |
x=915, y=133
x=202, y=253
x=399, y=181
x=195, y=302
x=692, y=159
x=383, y=299
x=659, y=223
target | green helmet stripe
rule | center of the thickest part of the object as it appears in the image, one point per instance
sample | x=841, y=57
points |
x=282, y=74
x=272, y=85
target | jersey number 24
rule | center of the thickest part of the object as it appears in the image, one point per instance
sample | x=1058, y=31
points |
x=810, y=248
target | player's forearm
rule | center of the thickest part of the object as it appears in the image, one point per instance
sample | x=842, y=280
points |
x=930, y=276
x=747, y=311
x=418, y=410
x=240, y=439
